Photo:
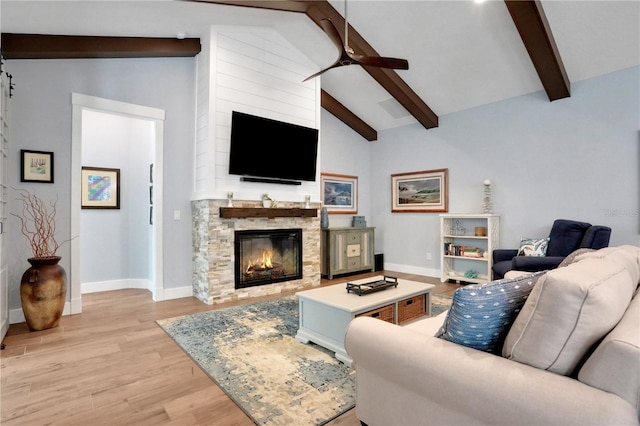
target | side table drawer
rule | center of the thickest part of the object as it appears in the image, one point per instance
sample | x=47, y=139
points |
x=412, y=308
x=386, y=313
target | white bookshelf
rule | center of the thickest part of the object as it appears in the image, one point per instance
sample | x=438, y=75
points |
x=462, y=251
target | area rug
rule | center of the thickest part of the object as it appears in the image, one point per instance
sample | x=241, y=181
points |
x=250, y=351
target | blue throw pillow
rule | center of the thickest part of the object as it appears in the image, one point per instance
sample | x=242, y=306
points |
x=481, y=314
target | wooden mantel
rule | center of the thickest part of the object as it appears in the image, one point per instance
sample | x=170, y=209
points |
x=268, y=212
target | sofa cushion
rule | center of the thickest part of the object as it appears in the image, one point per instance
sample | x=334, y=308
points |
x=615, y=364
x=533, y=247
x=568, y=311
x=481, y=314
x=572, y=257
x=628, y=256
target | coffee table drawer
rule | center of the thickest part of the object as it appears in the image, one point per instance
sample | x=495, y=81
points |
x=411, y=308
x=385, y=313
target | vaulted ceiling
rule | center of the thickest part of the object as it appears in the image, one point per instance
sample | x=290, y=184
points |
x=461, y=54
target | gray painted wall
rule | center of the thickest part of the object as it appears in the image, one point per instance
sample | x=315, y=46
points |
x=41, y=120
x=574, y=158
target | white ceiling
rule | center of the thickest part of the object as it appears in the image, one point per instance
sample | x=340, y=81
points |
x=461, y=54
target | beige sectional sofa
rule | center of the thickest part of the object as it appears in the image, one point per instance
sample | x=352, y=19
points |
x=568, y=355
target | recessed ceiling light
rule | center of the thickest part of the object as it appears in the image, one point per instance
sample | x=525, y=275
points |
x=181, y=36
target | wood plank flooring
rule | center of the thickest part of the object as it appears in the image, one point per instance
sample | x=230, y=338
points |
x=113, y=365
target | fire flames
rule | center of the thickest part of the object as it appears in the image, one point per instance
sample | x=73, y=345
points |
x=261, y=263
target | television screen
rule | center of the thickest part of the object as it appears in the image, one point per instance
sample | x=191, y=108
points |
x=261, y=147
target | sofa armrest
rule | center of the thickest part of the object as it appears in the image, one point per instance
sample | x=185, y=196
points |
x=535, y=263
x=405, y=377
x=500, y=255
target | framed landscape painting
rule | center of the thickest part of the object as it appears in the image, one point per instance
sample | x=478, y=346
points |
x=339, y=193
x=100, y=188
x=36, y=166
x=424, y=191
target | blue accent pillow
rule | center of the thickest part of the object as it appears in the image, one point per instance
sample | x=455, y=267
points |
x=481, y=314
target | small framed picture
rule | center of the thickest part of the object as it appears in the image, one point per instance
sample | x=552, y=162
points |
x=100, y=188
x=424, y=191
x=36, y=166
x=339, y=193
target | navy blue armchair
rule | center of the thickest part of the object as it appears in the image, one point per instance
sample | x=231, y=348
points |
x=565, y=237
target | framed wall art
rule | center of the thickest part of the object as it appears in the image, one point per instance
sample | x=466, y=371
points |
x=100, y=188
x=36, y=166
x=339, y=193
x=425, y=191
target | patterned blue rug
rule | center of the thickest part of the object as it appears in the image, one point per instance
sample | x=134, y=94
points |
x=251, y=353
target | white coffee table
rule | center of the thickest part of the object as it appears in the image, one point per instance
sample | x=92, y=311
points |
x=326, y=312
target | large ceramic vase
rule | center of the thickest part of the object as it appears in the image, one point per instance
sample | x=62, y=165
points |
x=43, y=291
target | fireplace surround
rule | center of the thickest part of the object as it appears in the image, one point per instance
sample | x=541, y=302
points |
x=213, y=239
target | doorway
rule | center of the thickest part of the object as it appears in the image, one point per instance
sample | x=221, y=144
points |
x=86, y=106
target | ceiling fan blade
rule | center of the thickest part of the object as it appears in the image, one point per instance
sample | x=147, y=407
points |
x=333, y=33
x=335, y=65
x=380, y=62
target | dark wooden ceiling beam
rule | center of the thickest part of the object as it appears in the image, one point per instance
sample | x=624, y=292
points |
x=317, y=10
x=40, y=46
x=534, y=29
x=343, y=114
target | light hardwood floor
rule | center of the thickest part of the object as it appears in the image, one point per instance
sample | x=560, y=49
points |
x=114, y=365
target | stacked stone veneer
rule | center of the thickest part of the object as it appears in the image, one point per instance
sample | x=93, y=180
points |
x=213, y=251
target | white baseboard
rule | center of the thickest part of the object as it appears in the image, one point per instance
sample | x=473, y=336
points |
x=408, y=269
x=177, y=292
x=98, y=286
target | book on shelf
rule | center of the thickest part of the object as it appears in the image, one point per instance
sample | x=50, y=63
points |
x=451, y=249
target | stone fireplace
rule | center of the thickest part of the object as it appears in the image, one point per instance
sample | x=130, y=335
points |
x=214, y=249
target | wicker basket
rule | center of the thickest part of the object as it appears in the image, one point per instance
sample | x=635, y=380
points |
x=412, y=308
x=386, y=313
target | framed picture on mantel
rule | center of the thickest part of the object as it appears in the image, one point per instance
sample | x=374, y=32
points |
x=339, y=193
x=424, y=191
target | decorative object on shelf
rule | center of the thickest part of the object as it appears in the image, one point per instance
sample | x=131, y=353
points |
x=480, y=231
x=229, y=199
x=339, y=193
x=471, y=274
x=100, y=188
x=324, y=218
x=267, y=201
x=486, y=200
x=43, y=287
x=36, y=166
x=425, y=191
x=458, y=229
x=307, y=199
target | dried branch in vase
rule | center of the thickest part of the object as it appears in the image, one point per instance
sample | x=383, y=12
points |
x=38, y=224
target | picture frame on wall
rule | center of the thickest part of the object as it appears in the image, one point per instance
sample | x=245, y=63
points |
x=424, y=191
x=36, y=166
x=100, y=188
x=339, y=193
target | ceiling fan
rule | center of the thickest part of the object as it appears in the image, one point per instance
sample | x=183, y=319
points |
x=348, y=56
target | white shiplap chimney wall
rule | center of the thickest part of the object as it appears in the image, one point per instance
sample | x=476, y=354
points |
x=256, y=71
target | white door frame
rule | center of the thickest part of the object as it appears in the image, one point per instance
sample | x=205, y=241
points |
x=81, y=102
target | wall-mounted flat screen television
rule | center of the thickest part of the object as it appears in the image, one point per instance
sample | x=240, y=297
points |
x=265, y=148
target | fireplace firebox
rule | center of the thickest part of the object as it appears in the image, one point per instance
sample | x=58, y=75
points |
x=267, y=256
